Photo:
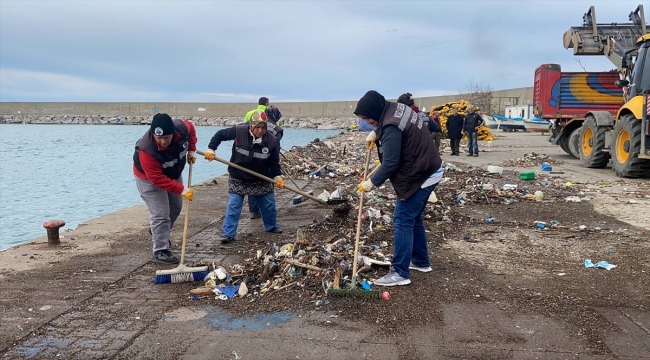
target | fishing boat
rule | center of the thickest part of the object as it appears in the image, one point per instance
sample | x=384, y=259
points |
x=537, y=125
x=509, y=124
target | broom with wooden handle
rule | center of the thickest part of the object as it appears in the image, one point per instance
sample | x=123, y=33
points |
x=183, y=273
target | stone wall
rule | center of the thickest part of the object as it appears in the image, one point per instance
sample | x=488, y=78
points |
x=320, y=110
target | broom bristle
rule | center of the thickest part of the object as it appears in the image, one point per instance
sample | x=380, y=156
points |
x=181, y=277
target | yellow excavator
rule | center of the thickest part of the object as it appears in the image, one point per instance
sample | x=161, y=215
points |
x=623, y=138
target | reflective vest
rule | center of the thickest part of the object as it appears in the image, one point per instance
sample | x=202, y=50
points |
x=173, y=158
x=251, y=156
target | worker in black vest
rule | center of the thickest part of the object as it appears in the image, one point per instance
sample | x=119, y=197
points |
x=412, y=163
x=158, y=163
x=255, y=149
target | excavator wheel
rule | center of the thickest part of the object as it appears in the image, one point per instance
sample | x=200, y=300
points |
x=626, y=148
x=574, y=143
x=592, y=143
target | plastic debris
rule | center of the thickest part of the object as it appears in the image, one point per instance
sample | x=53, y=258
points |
x=601, y=264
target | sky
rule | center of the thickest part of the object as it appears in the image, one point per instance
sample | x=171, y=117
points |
x=237, y=51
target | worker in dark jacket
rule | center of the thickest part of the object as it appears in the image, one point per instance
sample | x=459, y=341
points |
x=255, y=149
x=473, y=121
x=158, y=162
x=413, y=165
x=455, y=130
x=273, y=115
x=432, y=124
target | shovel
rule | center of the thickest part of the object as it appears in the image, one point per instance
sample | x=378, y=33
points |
x=308, y=196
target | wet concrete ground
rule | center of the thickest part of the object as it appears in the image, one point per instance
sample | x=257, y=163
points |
x=104, y=305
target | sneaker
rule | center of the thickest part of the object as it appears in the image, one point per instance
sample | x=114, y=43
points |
x=392, y=279
x=226, y=239
x=420, y=268
x=470, y=154
x=256, y=215
x=164, y=257
x=276, y=230
x=475, y=155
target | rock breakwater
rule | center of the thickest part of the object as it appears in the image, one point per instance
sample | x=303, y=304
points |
x=287, y=122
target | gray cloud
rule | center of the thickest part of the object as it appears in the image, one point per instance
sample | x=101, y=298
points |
x=311, y=50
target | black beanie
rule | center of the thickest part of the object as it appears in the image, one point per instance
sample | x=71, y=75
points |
x=162, y=124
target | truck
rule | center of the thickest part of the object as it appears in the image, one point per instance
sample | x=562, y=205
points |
x=605, y=116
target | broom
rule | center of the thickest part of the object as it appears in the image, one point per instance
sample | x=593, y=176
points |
x=183, y=273
x=353, y=290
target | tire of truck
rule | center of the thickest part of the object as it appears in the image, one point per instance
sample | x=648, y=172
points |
x=592, y=143
x=564, y=144
x=574, y=143
x=626, y=148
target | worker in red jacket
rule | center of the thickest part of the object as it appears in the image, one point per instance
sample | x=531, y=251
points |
x=158, y=162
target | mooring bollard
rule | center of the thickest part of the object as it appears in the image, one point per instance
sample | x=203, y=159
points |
x=52, y=227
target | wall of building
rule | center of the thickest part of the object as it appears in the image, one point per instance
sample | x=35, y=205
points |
x=501, y=98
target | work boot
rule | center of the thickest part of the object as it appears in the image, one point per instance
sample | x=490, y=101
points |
x=226, y=239
x=164, y=257
x=256, y=215
x=276, y=230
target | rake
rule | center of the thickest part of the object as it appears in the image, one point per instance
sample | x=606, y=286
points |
x=353, y=290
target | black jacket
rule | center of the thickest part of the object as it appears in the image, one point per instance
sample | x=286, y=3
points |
x=262, y=158
x=455, y=126
x=472, y=120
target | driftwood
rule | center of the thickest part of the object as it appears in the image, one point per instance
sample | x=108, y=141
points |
x=299, y=264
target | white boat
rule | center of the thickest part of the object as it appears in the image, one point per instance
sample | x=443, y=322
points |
x=537, y=125
x=507, y=124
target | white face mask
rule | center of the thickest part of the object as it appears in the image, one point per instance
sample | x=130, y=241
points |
x=255, y=140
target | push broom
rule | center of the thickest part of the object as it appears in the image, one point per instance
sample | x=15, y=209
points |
x=353, y=290
x=183, y=273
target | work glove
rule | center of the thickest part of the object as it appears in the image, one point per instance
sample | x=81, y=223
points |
x=188, y=193
x=370, y=139
x=366, y=186
x=191, y=157
x=209, y=155
x=279, y=182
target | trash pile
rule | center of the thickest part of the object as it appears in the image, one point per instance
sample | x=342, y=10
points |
x=321, y=255
x=532, y=160
x=484, y=132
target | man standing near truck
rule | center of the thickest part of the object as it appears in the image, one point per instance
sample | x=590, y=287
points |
x=473, y=121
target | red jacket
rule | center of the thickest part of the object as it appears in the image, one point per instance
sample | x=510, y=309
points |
x=153, y=169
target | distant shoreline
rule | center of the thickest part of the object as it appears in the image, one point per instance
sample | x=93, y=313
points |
x=321, y=123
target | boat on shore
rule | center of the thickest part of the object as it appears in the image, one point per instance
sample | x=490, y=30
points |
x=537, y=125
x=506, y=124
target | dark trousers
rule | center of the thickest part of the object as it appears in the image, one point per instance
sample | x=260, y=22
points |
x=455, y=146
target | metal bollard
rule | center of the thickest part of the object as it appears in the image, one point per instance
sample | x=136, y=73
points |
x=52, y=227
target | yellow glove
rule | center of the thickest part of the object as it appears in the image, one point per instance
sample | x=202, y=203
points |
x=366, y=186
x=209, y=155
x=279, y=182
x=188, y=193
x=370, y=139
x=191, y=157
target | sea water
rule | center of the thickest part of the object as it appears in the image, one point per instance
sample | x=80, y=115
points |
x=79, y=172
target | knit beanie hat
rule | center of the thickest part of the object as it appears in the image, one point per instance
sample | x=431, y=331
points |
x=162, y=125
